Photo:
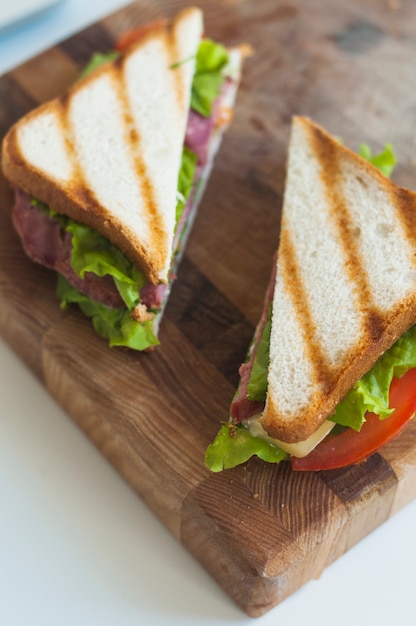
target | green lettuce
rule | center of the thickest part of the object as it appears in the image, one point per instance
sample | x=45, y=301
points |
x=91, y=252
x=211, y=60
x=115, y=325
x=234, y=445
x=185, y=180
x=45, y=208
x=385, y=161
x=97, y=60
x=371, y=392
x=257, y=386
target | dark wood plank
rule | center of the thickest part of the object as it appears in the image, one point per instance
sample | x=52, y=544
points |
x=262, y=531
x=81, y=47
x=15, y=102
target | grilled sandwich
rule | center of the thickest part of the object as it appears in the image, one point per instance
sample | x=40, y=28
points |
x=338, y=322
x=108, y=176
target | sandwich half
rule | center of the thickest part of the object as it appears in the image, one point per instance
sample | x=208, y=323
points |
x=330, y=375
x=108, y=177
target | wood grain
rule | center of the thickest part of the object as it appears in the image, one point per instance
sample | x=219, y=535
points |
x=262, y=531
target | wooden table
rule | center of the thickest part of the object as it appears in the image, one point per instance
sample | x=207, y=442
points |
x=262, y=531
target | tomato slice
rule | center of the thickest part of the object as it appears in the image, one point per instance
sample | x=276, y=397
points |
x=131, y=36
x=351, y=447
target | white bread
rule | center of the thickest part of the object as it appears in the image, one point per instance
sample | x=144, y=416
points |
x=346, y=279
x=108, y=153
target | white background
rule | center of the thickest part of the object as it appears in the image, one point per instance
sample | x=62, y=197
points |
x=77, y=547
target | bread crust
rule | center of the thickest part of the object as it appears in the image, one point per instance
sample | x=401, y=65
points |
x=380, y=327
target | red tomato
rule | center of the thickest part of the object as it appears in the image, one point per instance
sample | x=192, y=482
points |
x=351, y=447
x=131, y=36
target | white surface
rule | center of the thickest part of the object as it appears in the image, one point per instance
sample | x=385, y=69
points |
x=11, y=12
x=77, y=547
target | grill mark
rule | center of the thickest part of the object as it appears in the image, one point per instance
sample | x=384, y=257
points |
x=326, y=153
x=405, y=202
x=62, y=112
x=171, y=45
x=79, y=187
x=157, y=231
x=323, y=374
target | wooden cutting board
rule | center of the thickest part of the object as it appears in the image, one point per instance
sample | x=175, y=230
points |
x=262, y=531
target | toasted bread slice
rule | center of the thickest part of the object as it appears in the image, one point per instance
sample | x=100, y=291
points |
x=346, y=280
x=108, y=152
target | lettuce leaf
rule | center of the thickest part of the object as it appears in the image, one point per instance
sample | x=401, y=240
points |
x=234, y=445
x=185, y=180
x=211, y=59
x=385, y=161
x=115, y=325
x=97, y=60
x=257, y=386
x=43, y=207
x=91, y=252
x=371, y=393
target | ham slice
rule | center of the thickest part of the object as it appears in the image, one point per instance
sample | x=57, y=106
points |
x=47, y=243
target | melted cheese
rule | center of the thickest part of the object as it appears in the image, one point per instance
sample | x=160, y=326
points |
x=300, y=449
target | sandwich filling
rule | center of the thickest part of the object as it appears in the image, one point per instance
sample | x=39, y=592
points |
x=124, y=306
x=369, y=402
